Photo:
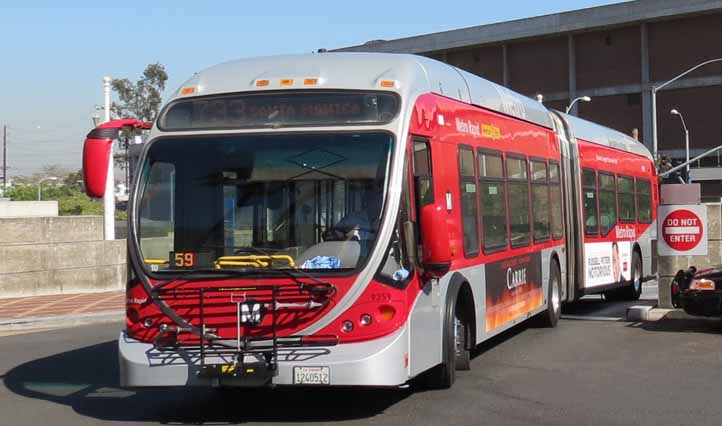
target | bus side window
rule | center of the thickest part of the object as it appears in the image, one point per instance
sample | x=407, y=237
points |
x=493, y=201
x=607, y=203
x=589, y=193
x=540, y=200
x=423, y=177
x=644, y=201
x=518, y=184
x=556, y=200
x=625, y=191
x=469, y=203
x=397, y=269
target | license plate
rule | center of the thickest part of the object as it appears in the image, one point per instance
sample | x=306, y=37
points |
x=311, y=376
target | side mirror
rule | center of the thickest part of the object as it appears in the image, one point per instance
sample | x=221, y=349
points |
x=96, y=153
x=97, y=150
x=436, y=259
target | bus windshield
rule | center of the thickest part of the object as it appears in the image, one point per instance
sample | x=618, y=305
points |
x=310, y=201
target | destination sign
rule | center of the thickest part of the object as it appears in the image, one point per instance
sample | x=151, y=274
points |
x=280, y=110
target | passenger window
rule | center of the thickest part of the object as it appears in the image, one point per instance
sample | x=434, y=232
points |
x=607, y=203
x=540, y=200
x=493, y=201
x=518, y=182
x=556, y=200
x=469, y=209
x=625, y=193
x=423, y=183
x=644, y=201
x=589, y=193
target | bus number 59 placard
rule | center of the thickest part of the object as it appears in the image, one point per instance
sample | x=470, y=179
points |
x=185, y=259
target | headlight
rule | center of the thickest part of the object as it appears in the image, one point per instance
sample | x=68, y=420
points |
x=702, y=284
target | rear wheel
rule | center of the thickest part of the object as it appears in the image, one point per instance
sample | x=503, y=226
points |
x=634, y=290
x=550, y=317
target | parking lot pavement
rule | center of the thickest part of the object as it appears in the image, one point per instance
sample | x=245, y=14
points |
x=582, y=372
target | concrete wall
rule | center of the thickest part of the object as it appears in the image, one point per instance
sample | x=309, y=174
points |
x=28, y=209
x=58, y=255
x=668, y=266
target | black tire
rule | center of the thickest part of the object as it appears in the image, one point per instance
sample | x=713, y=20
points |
x=550, y=317
x=443, y=375
x=633, y=291
x=462, y=354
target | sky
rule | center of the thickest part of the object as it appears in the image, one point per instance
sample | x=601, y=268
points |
x=54, y=54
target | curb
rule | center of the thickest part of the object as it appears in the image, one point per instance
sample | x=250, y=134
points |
x=658, y=314
x=60, y=321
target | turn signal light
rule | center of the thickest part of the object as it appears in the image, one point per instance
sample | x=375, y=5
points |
x=386, y=312
x=702, y=284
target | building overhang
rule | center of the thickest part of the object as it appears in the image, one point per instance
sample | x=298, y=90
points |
x=581, y=20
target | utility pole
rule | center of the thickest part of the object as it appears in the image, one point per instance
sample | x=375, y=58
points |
x=5, y=156
x=109, y=197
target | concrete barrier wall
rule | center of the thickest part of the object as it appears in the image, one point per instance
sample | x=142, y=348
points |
x=28, y=209
x=58, y=255
x=668, y=266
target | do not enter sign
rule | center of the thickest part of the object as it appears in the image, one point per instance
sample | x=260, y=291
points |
x=683, y=230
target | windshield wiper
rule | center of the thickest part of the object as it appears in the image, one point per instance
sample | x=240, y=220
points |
x=204, y=273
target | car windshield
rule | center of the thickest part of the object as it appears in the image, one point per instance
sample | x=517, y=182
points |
x=309, y=201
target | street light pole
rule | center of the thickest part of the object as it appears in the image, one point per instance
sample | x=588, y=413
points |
x=656, y=89
x=686, y=138
x=109, y=197
x=583, y=99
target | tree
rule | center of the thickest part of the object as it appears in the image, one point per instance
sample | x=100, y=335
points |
x=142, y=99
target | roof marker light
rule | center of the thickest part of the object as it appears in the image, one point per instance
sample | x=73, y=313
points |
x=262, y=83
x=286, y=82
x=387, y=83
x=188, y=90
x=310, y=81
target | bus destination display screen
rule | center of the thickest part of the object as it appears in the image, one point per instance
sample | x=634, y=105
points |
x=280, y=110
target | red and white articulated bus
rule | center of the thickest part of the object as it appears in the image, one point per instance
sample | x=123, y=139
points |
x=353, y=219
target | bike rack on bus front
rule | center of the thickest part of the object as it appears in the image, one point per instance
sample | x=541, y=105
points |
x=255, y=358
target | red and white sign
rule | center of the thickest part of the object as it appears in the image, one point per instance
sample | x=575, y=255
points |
x=683, y=230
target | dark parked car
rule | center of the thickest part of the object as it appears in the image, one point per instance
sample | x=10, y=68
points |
x=699, y=292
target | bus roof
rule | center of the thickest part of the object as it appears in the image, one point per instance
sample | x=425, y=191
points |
x=414, y=75
x=600, y=135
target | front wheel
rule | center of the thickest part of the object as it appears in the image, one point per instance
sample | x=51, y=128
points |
x=455, y=353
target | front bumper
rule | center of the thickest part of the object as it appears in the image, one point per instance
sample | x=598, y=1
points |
x=701, y=303
x=379, y=362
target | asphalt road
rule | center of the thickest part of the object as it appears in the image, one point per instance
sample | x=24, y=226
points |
x=592, y=369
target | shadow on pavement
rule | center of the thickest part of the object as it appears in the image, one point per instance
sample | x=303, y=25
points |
x=86, y=379
x=672, y=324
x=597, y=307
